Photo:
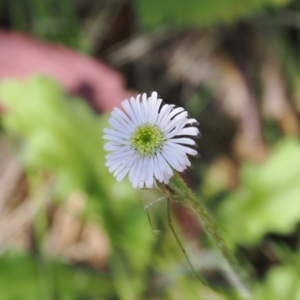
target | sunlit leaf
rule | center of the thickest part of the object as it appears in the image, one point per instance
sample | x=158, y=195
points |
x=268, y=199
x=282, y=282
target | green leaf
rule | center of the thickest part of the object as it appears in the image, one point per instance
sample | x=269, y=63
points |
x=62, y=135
x=268, y=199
x=282, y=282
x=199, y=12
x=23, y=277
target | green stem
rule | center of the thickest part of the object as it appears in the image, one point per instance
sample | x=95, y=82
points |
x=178, y=191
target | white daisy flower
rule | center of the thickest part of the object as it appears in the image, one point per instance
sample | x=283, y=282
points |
x=149, y=140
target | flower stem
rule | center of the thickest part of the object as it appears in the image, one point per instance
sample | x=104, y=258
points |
x=178, y=191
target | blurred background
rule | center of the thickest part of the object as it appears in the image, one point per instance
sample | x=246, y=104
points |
x=68, y=230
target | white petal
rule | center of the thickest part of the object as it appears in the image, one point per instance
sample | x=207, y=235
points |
x=117, y=125
x=194, y=131
x=118, y=113
x=157, y=173
x=113, y=167
x=135, y=107
x=172, y=162
x=154, y=96
x=164, y=166
x=191, y=121
x=142, y=177
x=127, y=107
x=121, y=155
x=116, y=139
x=178, y=154
x=186, y=141
x=138, y=109
x=175, y=111
x=114, y=147
x=175, y=122
x=150, y=174
x=132, y=170
x=173, y=131
x=127, y=124
x=136, y=175
x=155, y=114
x=144, y=106
x=187, y=150
x=165, y=110
x=109, y=131
x=120, y=176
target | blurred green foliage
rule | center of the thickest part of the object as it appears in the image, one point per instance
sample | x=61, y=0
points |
x=199, y=12
x=267, y=200
x=282, y=282
x=23, y=276
x=54, y=133
x=48, y=19
x=62, y=134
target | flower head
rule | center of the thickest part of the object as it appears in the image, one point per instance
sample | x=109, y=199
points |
x=149, y=140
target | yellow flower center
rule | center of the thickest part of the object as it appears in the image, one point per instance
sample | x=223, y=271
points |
x=147, y=139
